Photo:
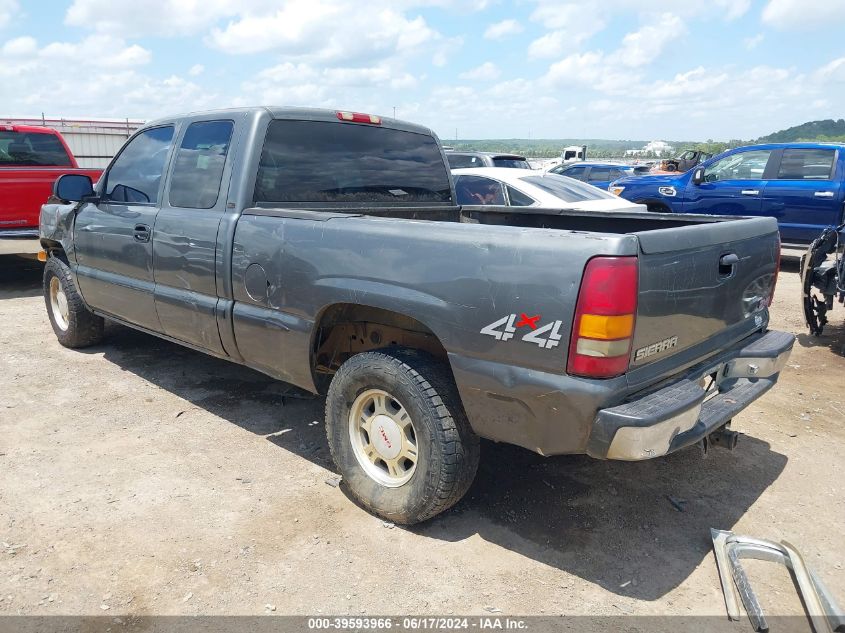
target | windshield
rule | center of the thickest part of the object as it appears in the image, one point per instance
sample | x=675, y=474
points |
x=567, y=189
x=32, y=149
x=515, y=163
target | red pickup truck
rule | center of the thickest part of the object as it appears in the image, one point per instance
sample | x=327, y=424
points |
x=31, y=158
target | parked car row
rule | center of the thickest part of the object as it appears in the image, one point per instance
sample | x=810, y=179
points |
x=798, y=184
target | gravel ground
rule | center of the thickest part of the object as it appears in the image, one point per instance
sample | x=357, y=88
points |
x=139, y=477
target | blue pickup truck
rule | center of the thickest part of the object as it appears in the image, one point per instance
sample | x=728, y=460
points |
x=799, y=184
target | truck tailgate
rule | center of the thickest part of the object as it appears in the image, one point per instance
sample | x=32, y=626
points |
x=701, y=287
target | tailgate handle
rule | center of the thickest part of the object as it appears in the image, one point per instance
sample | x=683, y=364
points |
x=727, y=263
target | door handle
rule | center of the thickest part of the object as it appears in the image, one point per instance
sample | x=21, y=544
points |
x=750, y=192
x=141, y=233
x=823, y=194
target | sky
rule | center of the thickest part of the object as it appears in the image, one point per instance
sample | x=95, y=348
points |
x=610, y=69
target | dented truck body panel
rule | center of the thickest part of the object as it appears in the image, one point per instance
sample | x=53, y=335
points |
x=495, y=289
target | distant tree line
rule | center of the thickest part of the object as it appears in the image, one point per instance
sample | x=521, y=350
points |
x=826, y=130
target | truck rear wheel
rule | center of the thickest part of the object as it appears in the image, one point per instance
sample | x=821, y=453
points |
x=399, y=435
x=74, y=324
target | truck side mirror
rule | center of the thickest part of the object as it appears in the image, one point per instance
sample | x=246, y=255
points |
x=73, y=187
x=698, y=176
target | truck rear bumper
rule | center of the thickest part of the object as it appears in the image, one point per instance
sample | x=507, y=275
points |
x=683, y=413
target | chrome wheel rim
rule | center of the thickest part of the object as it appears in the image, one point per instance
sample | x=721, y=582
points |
x=58, y=304
x=383, y=438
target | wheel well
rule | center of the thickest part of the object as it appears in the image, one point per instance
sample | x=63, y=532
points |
x=344, y=330
x=54, y=249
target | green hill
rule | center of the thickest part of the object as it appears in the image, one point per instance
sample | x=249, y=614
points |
x=827, y=130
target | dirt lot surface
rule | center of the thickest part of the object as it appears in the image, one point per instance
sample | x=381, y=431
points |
x=139, y=477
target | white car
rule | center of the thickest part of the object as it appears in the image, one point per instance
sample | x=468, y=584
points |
x=528, y=188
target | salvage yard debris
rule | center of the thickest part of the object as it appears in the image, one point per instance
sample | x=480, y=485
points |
x=729, y=548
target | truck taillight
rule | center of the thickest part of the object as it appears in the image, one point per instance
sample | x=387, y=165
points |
x=603, y=327
x=777, y=272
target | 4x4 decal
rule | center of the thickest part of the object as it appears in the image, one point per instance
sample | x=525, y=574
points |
x=504, y=329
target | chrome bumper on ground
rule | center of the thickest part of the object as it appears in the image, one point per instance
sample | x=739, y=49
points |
x=682, y=413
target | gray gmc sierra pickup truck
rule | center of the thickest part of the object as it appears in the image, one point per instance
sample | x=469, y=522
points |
x=325, y=249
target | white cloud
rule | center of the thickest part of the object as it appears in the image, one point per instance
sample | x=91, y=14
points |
x=20, y=46
x=645, y=45
x=570, y=25
x=301, y=83
x=196, y=70
x=578, y=67
x=151, y=17
x=753, y=42
x=101, y=51
x=41, y=79
x=487, y=71
x=733, y=8
x=832, y=71
x=502, y=29
x=698, y=81
x=8, y=10
x=551, y=44
x=93, y=52
x=326, y=30
x=796, y=14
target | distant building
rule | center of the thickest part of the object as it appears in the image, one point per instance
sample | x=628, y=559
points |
x=658, y=148
x=93, y=141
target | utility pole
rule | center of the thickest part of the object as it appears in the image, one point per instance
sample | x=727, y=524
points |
x=394, y=113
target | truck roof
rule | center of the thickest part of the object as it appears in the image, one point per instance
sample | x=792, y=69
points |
x=300, y=114
x=796, y=145
x=491, y=154
x=29, y=129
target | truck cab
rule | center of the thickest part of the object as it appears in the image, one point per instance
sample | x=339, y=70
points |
x=798, y=184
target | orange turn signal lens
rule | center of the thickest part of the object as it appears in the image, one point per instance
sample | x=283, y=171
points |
x=603, y=327
x=42, y=256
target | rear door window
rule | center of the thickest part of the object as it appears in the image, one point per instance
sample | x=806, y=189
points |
x=519, y=199
x=479, y=190
x=807, y=164
x=579, y=172
x=135, y=175
x=32, y=149
x=339, y=163
x=599, y=174
x=198, y=169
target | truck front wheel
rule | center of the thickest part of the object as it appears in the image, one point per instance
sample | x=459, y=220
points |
x=399, y=435
x=73, y=323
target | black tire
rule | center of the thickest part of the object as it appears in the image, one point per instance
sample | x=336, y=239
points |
x=82, y=327
x=448, y=450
